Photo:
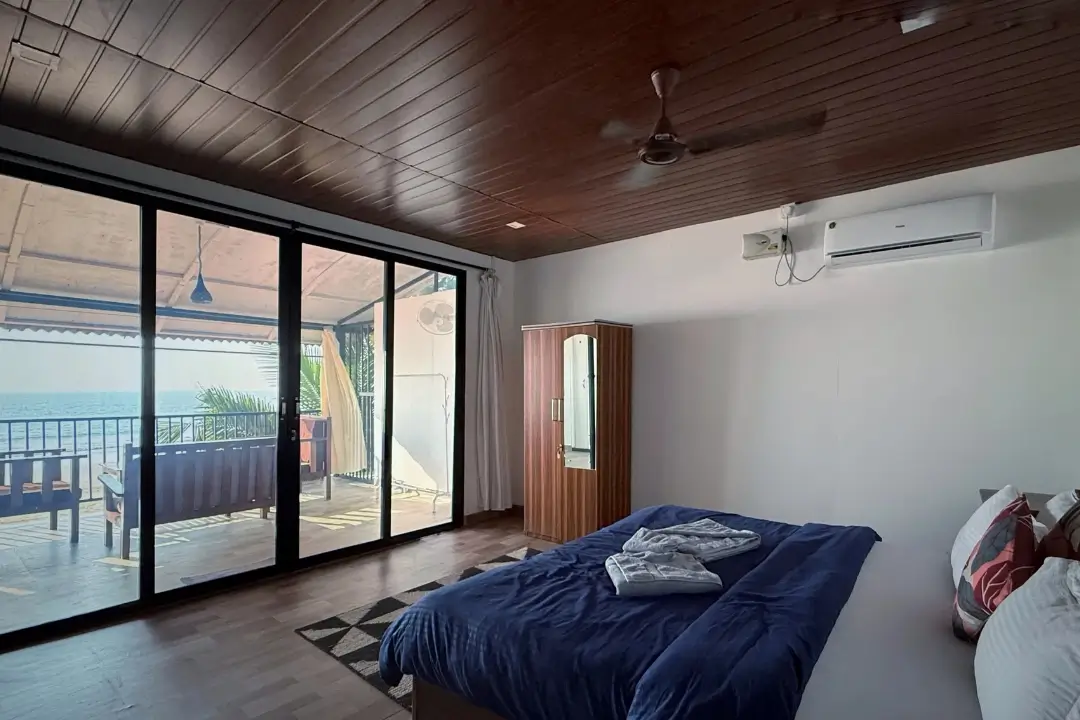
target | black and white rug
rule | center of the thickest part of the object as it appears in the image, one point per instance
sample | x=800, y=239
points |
x=353, y=638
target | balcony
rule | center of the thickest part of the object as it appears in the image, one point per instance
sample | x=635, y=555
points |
x=43, y=574
x=72, y=340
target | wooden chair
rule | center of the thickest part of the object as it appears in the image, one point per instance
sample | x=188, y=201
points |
x=20, y=495
x=192, y=480
x=315, y=452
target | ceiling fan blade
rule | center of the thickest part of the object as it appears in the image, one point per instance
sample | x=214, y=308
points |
x=619, y=130
x=738, y=137
x=641, y=176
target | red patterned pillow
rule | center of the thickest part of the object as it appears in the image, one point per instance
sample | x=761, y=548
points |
x=1063, y=540
x=1002, y=561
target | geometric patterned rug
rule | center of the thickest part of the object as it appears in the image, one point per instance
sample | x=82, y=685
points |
x=353, y=638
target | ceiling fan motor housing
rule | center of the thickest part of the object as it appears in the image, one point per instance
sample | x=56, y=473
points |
x=663, y=146
x=661, y=149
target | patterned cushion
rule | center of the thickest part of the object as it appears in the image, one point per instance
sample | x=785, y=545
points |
x=1063, y=540
x=1002, y=561
x=975, y=528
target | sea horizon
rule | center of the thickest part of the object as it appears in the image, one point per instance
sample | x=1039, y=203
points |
x=96, y=425
x=109, y=403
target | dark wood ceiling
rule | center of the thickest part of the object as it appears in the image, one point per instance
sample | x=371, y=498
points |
x=451, y=118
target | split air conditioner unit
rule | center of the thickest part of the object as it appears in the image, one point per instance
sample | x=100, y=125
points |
x=936, y=228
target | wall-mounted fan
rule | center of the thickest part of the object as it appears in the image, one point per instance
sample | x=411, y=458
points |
x=664, y=147
x=438, y=317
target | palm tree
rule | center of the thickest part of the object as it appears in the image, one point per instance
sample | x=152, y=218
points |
x=217, y=400
x=245, y=414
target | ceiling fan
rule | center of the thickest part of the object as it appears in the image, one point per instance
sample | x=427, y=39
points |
x=664, y=147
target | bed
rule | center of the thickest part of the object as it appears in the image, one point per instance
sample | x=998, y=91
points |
x=548, y=638
x=892, y=654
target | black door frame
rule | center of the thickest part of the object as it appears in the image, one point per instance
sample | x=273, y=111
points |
x=290, y=244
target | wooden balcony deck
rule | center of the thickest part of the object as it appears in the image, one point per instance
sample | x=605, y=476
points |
x=43, y=577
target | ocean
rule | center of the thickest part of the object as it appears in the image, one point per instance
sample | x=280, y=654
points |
x=96, y=424
x=23, y=406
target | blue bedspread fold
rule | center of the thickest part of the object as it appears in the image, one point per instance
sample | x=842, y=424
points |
x=548, y=637
x=750, y=654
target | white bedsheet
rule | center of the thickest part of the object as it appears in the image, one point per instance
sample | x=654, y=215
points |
x=892, y=654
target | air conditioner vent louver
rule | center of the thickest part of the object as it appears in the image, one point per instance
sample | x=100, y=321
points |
x=936, y=228
x=913, y=244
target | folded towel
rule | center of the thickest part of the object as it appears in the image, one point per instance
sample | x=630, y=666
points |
x=705, y=539
x=647, y=573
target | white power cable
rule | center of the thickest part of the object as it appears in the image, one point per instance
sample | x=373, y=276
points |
x=789, y=256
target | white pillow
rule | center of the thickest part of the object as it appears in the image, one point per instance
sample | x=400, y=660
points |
x=1061, y=504
x=976, y=526
x=1027, y=663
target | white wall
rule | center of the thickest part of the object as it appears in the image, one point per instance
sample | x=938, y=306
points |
x=424, y=392
x=884, y=395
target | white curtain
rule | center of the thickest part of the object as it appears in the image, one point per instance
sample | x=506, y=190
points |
x=339, y=403
x=491, y=461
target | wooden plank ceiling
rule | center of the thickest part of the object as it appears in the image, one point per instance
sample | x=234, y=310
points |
x=451, y=118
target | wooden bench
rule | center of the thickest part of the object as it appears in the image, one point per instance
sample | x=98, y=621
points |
x=20, y=495
x=192, y=480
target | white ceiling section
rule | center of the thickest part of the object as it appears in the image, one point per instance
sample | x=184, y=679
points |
x=58, y=242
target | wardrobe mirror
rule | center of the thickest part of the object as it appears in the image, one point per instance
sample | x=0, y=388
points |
x=578, y=411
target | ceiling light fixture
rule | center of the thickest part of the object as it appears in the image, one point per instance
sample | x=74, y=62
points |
x=919, y=21
x=516, y=225
x=200, y=295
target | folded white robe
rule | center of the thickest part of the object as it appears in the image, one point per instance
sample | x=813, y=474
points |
x=645, y=573
x=705, y=539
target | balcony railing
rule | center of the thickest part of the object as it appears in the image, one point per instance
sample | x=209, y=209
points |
x=102, y=439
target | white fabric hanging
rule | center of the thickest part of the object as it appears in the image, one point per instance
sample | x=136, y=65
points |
x=339, y=403
x=493, y=467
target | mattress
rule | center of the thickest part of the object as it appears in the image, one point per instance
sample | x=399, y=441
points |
x=892, y=654
x=548, y=638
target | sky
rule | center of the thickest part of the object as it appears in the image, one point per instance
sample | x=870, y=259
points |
x=56, y=362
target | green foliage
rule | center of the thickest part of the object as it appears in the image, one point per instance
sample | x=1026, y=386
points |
x=220, y=401
x=357, y=354
x=267, y=360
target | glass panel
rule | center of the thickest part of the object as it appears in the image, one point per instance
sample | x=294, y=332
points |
x=578, y=411
x=341, y=420
x=70, y=391
x=425, y=352
x=216, y=385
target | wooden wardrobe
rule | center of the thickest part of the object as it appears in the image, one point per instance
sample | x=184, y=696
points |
x=577, y=427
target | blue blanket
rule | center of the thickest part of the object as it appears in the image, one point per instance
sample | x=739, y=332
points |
x=548, y=637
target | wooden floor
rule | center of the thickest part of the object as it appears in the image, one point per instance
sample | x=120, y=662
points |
x=236, y=655
x=43, y=577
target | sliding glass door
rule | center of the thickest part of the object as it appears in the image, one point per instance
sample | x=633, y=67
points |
x=191, y=399
x=424, y=373
x=216, y=387
x=341, y=426
x=70, y=381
